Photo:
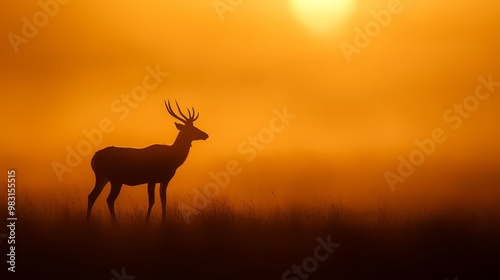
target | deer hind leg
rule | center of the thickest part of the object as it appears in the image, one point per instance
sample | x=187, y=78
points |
x=151, y=198
x=113, y=194
x=100, y=182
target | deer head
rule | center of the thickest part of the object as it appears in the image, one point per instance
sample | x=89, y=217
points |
x=187, y=130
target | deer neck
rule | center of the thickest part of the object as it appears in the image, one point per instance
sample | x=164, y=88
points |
x=181, y=147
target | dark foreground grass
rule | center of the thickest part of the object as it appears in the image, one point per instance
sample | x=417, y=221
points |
x=224, y=243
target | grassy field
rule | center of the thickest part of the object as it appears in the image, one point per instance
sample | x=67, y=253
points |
x=224, y=243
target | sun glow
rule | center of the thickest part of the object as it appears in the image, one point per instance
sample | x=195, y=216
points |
x=322, y=15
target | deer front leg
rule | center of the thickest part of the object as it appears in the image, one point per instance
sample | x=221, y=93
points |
x=151, y=198
x=163, y=196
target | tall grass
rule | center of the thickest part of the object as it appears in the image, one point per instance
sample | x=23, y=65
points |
x=227, y=241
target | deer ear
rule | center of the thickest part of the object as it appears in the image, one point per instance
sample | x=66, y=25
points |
x=179, y=126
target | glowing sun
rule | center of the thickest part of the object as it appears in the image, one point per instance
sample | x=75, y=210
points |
x=322, y=15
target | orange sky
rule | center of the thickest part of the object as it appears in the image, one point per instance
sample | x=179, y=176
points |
x=352, y=121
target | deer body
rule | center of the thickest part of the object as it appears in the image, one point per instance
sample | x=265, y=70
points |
x=153, y=164
x=150, y=165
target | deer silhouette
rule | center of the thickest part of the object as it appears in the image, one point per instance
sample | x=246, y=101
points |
x=150, y=165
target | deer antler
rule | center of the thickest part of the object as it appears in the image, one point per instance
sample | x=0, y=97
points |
x=184, y=119
x=194, y=113
x=180, y=111
x=171, y=112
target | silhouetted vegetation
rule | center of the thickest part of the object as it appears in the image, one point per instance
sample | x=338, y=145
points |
x=222, y=242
